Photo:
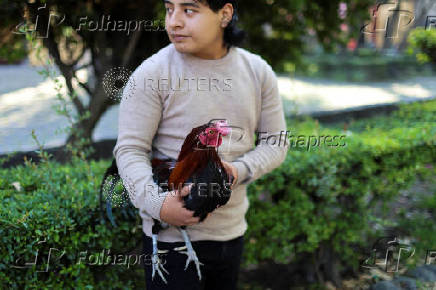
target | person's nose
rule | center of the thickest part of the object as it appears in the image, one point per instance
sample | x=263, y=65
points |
x=175, y=19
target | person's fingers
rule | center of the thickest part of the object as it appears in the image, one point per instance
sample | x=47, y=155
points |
x=187, y=214
x=230, y=171
x=191, y=218
x=196, y=220
x=191, y=221
x=227, y=167
x=186, y=190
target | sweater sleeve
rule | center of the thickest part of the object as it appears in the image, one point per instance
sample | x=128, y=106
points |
x=140, y=112
x=270, y=151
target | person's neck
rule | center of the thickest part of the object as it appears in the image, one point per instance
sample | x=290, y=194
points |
x=213, y=55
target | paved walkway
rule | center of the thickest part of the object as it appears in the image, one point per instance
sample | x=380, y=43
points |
x=26, y=101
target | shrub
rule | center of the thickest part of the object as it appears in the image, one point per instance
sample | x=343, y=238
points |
x=57, y=213
x=318, y=208
x=423, y=43
x=13, y=51
x=363, y=67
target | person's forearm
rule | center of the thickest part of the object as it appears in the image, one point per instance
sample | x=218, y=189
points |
x=134, y=167
x=259, y=161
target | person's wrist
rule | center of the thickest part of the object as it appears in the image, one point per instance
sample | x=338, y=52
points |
x=242, y=171
x=154, y=200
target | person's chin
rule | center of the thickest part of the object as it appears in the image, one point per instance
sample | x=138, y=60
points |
x=182, y=47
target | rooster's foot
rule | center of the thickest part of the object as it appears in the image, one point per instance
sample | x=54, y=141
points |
x=156, y=263
x=192, y=256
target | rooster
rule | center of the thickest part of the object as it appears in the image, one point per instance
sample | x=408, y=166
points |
x=198, y=163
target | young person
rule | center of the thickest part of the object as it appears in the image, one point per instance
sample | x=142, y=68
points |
x=201, y=75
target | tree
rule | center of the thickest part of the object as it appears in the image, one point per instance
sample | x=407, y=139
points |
x=68, y=25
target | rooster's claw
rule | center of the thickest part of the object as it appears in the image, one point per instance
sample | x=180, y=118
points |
x=157, y=265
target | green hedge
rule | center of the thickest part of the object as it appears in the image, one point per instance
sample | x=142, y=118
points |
x=363, y=67
x=423, y=43
x=58, y=208
x=14, y=50
x=317, y=209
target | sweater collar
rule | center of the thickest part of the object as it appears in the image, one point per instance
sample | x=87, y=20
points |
x=200, y=61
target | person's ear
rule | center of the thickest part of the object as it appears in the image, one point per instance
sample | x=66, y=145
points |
x=224, y=22
x=227, y=14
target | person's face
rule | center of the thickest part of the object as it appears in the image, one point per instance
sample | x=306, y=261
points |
x=200, y=28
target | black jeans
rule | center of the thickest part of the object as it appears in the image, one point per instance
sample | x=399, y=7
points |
x=220, y=270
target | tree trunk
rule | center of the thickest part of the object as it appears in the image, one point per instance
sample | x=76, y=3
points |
x=331, y=268
x=98, y=106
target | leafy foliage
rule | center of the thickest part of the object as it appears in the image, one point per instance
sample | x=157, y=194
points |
x=13, y=51
x=294, y=21
x=57, y=211
x=423, y=43
x=362, y=66
x=66, y=32
x=324, y=200
x=321, y=200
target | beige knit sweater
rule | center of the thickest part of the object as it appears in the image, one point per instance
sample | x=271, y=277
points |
x=169, y=94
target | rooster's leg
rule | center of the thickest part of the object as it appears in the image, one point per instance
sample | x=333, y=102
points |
x=156, y=262
x=192, y=256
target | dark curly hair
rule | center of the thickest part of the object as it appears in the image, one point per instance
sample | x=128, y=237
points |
x=233, y=36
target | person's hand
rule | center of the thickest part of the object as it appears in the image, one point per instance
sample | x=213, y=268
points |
x=231, y=170
x=173, y=212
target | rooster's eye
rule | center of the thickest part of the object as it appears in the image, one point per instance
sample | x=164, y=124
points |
x=211, y=132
